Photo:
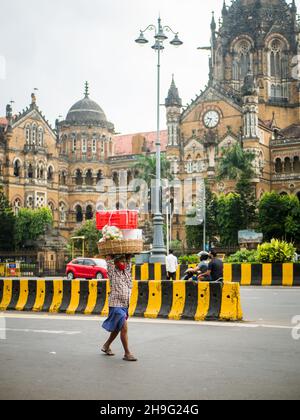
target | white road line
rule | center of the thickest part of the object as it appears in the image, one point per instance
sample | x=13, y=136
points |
x=99, y=319
x=41, y=331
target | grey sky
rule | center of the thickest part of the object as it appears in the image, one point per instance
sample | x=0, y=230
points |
x=55, y=45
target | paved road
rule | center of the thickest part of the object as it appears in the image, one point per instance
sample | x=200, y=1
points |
x=57, y=357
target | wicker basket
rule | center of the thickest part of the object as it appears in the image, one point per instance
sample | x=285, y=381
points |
x=120, y=247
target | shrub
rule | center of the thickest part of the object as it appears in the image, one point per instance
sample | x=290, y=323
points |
x=176, y=245
x=189, y=259
x=243, y=256
x=276, y=252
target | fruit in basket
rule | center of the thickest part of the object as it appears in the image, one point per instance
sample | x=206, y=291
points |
x=112, y=233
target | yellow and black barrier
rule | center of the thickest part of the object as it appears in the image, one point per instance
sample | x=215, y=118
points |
x=245, y=274
x=154, y=299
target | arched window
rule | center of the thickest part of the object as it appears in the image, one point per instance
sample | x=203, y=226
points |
x=99, y=176
x=190, y=165
x=116, y=179
x=278, y=166
x=89, y=178
x=63, y=178
x=84, y=144
x=78, y=179
x=30, y=202
x=278, y=69
x=287, y=165
x=33, y=134
x=50, y=174
x=27, y=131
x=30, y=171
x=62, y=212
x=241, y=62
x=51, y=207
x=40, y=137
x=79, y=214
x=94, y=144
x=283, y=194
x=74, y=142
x=89, y=213
x=296, y=164
x=17, y=206
x=17, y=168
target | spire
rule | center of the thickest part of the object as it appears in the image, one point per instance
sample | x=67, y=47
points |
x=224, y=10
x=173, y=98
x=213, y=24
x=86, y=91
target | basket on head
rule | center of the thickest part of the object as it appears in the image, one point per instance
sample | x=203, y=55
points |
x=120, y=247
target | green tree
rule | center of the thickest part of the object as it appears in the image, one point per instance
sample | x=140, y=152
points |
x=236, y=164
x=229, y=218
x=30, y=224
x=92, y=237
x=7, y=224
x=279, y=217
x=146, y=166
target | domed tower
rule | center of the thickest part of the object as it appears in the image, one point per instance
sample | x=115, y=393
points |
x=85, y=142
x=262, y=35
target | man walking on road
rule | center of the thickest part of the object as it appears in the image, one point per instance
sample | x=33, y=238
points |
x=172, y=265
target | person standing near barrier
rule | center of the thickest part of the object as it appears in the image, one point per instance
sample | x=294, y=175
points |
x=172, y=266
x=215, y=270
x=120, y=278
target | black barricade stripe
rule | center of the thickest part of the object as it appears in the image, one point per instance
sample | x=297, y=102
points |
x=15, y=295
x=1, y=289
x=32, y=288
x=152, y=272
x=84, y=296
x=167, y=299
x=191, y=300
x=296, y=275
x=236, y=273
x=183, y=269
x=256, y=274
x=163, y=272
x=277, y=274
x=101, y=297
x=138, y=272
x=143, y=296
x=67, y=289
x=48, y=296
x=215, y=301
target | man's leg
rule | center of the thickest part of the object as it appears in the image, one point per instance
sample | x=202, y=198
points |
x=124, y=339
x=111, y=339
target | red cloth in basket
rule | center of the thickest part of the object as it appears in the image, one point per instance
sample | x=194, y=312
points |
x=123, y=219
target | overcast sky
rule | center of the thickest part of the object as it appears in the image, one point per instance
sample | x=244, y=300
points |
x=55, y=45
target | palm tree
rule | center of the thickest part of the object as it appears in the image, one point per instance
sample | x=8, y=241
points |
x=236, y=163
x=146, y=167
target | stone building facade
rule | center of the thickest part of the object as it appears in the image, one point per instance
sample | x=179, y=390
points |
x=252, y=97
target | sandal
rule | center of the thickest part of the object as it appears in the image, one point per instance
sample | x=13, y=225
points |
x=108, y=352
x=130, y=358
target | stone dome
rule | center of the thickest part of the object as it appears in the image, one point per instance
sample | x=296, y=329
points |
x=86, y=111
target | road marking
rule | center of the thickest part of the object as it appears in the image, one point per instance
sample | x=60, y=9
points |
x=75, y=318
x=41, y=331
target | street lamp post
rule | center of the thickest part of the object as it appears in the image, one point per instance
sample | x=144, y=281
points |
x=159, y=249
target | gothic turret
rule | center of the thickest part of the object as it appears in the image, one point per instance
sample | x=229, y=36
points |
x=173, y=105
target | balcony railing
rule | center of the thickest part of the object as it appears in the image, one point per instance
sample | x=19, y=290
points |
x=286, y=177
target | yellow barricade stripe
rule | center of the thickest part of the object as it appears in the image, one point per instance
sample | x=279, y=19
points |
x=7, y=294
x=246, y=275
x=179, y=293
x=203, y=301
x=154, y=300
x=145, y=272
x=23, y=296
x=134, y=298
x=92, y=299
x=40, y=295
x=57, y=296
x=288, y=275
x=231, y=304
x=105, y=310
x=157, y=272
x=75, y=297
x=227, y=273
x=133, y=272
x=267, y=275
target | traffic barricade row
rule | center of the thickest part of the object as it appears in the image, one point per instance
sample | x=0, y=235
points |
x=154, y=299
x=245, y=274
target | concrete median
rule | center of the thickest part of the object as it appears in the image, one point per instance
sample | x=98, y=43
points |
x=153, y=299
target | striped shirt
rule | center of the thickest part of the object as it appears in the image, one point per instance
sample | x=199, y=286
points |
x=120, y=286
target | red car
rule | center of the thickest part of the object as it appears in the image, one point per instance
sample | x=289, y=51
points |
x=87, y=268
